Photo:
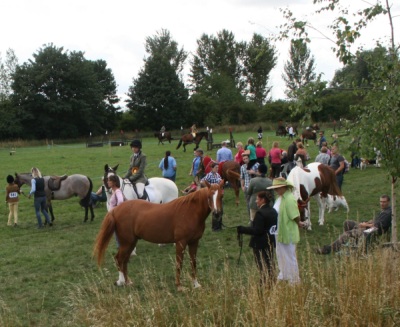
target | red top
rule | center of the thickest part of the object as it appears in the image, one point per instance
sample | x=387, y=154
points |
x=261, y=153
x=275, y=154
x=238, y=157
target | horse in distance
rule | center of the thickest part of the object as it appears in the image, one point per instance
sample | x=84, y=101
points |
x=62, y=188
x=189, y=139
x=181, y=221
x=163, y=136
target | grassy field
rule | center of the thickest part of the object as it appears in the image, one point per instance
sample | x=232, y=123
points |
x=49, y=278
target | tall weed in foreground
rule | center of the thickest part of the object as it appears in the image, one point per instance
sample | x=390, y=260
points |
x=345, y=291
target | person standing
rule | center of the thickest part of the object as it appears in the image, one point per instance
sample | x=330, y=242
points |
x=260, y=133
x=261, y=153
x=276, y=159
x=238, y=156
x=322, y=139
x=12, y=192
x=136, y=169
x=323, y=157
x=37, y=189
x=257, y=184
x=197, y=168
x=292, y=149
x=288, y=230
x=337, y=164
x=245, y=175
x=168, y=166
x=252, y=156
x=291, y=132
x=262, y=231
x=224, y=154
x=301, y=154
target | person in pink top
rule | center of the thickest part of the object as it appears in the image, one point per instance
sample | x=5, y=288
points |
x=275, y=156
x=238, y=157
x=261, y=153
x=116, y=197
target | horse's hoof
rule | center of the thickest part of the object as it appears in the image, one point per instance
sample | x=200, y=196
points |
x=119, y=283
x=180, y=288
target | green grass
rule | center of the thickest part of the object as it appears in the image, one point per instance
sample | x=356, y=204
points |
x=49, y=278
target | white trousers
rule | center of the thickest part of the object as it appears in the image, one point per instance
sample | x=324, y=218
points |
x=287, y=262
x=140, y=189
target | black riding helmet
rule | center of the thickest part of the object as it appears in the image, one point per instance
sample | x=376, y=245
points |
x=136, y=144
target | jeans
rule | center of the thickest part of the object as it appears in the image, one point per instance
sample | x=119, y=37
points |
x=41, y=205
x=339, y=180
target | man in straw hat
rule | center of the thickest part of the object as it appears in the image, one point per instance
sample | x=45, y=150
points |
x=288, y=230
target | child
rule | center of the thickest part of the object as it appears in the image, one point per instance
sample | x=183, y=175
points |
x=12, y=191
x=192, y=187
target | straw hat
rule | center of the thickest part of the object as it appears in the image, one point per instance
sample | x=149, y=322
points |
x=280, y=182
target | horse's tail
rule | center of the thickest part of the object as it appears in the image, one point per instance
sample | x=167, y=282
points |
x=234, y=175
x=333, y=186
x=86, y=200
x=179, y=144
x=103, y=237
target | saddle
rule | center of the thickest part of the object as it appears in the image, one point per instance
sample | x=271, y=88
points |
x=54, y=182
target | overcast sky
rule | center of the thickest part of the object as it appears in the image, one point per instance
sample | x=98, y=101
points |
x=116, y=30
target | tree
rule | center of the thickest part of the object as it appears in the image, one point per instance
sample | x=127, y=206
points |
x=7, y=69
x=299, y=70
x=61, y=94
x=158, y=96
x=259, y=60
x=377, y=121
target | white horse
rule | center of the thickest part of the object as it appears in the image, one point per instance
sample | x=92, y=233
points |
x=159, y=190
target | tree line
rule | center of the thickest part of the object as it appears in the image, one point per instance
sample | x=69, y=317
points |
x=61, y=94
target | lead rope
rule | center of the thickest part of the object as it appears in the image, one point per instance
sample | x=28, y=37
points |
x=240, y=240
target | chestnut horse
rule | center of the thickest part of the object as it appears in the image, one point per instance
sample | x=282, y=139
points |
x=308, y=135
x=230, y=171
x=315, y=180
x=189, y=139
x=163, y=136
x=181, y=221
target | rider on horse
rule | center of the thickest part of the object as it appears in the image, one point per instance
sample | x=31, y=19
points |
x=162, y=130
x=193, y=130
x=136, y=169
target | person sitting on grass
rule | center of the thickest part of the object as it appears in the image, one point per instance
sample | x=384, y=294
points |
x=192, y=187
x=353, y=229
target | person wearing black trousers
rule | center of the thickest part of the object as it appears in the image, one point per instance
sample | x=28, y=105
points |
x=262, y=231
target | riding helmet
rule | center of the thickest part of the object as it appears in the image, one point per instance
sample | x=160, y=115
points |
x=136, y=144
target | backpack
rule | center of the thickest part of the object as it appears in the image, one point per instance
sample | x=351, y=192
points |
x=346, y=166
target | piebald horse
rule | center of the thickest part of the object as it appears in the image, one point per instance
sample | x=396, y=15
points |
x=181, y=221
x=62, y=188
x=315, y=180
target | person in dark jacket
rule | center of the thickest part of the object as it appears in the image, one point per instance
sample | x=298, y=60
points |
x=37, y=188
x=262, y=231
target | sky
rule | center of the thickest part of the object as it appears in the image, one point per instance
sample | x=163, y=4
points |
x=115, y=31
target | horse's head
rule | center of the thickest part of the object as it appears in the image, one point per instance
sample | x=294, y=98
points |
x=20, y=180
x=215, y=196
x=107, y=172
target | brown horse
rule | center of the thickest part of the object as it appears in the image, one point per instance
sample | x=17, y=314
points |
x=230, y=171
x=163, y=136
x=189, y=139
x=308, y=135
x=181, y=221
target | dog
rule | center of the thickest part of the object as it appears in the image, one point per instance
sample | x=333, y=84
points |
x=363, y=163
x=334, y=202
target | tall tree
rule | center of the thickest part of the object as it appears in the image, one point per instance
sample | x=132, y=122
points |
x=7, y=69
x=158, y=96
x=259, y=60
x=299, y=70
x=62, y=94
x=217, y=55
